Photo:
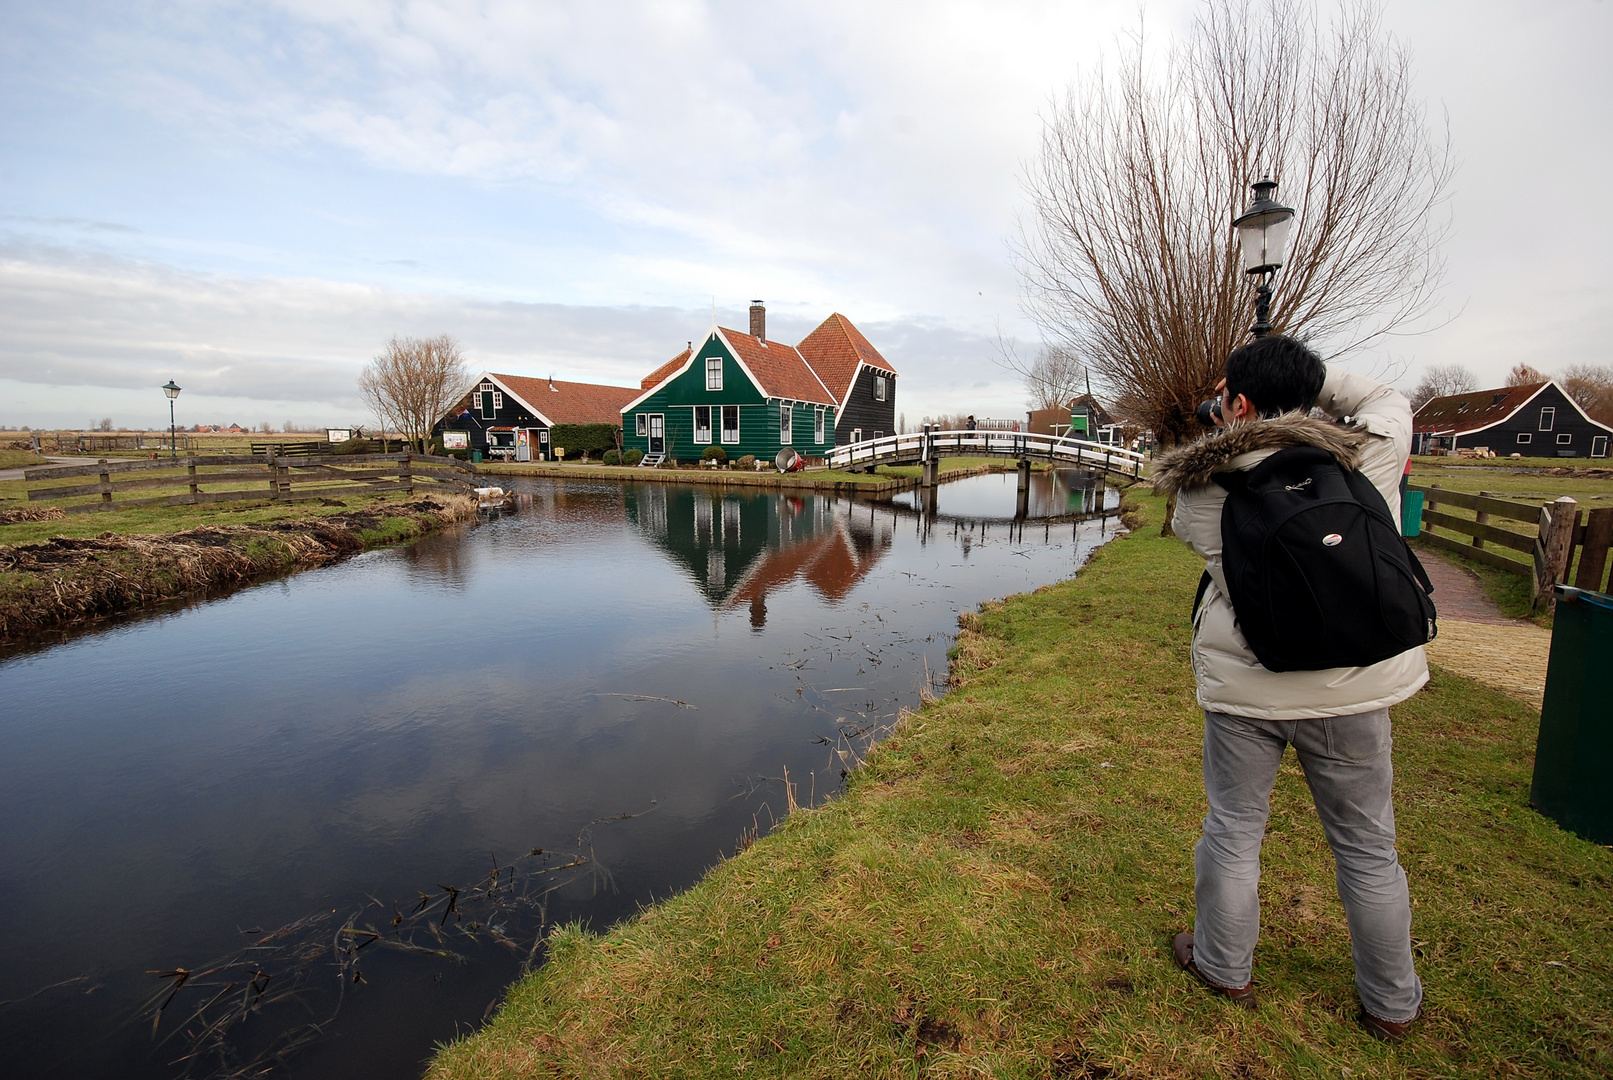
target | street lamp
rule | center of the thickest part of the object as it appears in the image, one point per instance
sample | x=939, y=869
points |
x=172, y=390
x=1263, y=234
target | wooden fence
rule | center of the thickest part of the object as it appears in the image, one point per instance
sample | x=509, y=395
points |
x=1547, y=543
x=228, y=477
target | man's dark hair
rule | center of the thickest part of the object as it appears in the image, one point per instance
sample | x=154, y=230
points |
x=1276, y=373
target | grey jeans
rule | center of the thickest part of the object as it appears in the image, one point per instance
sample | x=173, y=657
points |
x=1346, y=763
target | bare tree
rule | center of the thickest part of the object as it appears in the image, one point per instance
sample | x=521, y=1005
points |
x=1591, y=387
x=1054, y=377
x=1524, y=375
x=1127, y=255
x=1443, y=380
x=412, y=383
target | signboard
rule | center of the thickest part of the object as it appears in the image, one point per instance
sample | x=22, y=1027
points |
x=456, y=440
x=338, y=434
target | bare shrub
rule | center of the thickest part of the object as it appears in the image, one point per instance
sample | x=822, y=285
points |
x=412, y=383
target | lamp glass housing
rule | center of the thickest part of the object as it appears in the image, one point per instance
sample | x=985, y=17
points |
x=170, y=389
x=1264, y=239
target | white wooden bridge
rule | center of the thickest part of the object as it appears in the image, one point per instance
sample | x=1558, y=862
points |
x=926, y=448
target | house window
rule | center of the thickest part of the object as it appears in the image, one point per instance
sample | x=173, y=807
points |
x=702, y=425
x=1525, y=438
x=879, y=434
x=713, y=373
x=489, y=406
x=1548, y=416
x=817, y=426
x=730, y=423
x=1598, y=446
x=879, y=388
x=640, y=425
x=1565, y=439
x=498, y=400
x=786, y=413
x=856, y=434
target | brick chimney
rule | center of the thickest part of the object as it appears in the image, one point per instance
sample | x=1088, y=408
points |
x=758, y=320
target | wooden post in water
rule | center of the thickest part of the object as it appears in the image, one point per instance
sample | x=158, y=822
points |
x=1022, y=501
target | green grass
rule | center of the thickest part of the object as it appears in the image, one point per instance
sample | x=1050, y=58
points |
x=20, y=459
x=995, y=892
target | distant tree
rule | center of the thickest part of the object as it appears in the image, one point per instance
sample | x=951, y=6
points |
x=1591, y=387
x=103, y=424
x=1524, y=375
x=411, y=384
x=1127, y=255
x=1443, y=380
x=1054, y=377
x=901, y=423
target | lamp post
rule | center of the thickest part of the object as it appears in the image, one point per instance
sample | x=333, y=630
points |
x=172, y=390
x=1263, y=235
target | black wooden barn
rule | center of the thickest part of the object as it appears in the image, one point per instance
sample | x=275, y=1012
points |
x=1537, y=420
x=510, y=417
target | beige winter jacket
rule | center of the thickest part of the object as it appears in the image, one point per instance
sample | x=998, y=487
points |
x=1229, y=678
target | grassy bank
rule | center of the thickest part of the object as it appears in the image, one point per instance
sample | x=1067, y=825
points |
x=995, y=892
x=57, y=573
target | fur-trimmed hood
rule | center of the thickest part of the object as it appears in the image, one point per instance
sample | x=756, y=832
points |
x=1191, y=465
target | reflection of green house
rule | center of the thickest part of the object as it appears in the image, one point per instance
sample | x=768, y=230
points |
x=737, y=549
x=739, y=391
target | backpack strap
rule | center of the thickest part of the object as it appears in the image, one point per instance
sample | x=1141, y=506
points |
x=1198, y=597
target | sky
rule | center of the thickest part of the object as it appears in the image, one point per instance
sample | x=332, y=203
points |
x=250, y=198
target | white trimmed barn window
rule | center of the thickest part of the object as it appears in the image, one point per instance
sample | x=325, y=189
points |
x=713, y=373
x=879, y=388
x=1548, y=416
x=1565, y=439
x=730, y=423
x=817, y=426
x=1525, y=438
x=641, y=426
x=786, y=414
x=702, y=425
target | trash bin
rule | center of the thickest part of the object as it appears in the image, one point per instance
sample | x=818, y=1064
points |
x=1574, y=754
x=1411, y=513
x=475, y=457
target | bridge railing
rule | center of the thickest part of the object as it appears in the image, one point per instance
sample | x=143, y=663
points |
x=919, y=446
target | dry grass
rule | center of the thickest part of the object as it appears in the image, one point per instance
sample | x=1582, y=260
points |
x=46, y=586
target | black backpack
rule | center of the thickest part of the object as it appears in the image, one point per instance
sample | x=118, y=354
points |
x=1317, y=572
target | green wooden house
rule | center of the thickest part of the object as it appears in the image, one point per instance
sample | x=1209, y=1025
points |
x=739, y=391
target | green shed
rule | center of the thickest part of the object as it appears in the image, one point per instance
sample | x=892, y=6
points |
x=734, y=390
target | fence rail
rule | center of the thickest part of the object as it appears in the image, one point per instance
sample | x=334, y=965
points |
x=1555, y=532
x=282, y=478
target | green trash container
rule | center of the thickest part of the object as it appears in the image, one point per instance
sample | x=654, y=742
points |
x=475, y=457
x=1574, y=755
x=1411, y=513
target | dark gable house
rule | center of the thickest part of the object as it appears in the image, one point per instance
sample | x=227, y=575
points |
x=511, y=417
x=1537, y=420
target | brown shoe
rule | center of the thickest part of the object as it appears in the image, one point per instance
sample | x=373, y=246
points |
x=1241, y=996
x=1388, y=1030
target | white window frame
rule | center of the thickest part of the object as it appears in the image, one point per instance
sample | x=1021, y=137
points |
x=702, y=440
x=879, y=388
x=498, y=401
x=856, y=434
x=641, y=425
x=1598, y=446
x=1565, y=439
x=786, y=423
x=729, y=438
x=817, y=426
x=482, y=404
x=713, y=368
x=1548, y=417
x=1525, y=438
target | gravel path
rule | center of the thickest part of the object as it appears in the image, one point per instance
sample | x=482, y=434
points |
x=1477, y=641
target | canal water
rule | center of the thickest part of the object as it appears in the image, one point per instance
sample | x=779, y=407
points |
x=321, y=823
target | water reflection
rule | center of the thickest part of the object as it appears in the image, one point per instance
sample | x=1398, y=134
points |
x=1053, y=495
x=608, y=672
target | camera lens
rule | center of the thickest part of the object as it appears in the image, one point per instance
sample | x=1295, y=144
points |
x=1209, y=412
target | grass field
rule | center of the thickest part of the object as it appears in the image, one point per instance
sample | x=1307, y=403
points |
x=994, y=893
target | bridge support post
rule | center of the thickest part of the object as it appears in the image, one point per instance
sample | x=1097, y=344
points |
x=1022, y=501
x=932, y=472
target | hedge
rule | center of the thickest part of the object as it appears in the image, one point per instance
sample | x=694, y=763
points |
x=580, y=438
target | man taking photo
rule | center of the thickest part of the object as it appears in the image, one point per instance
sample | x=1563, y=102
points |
x=1336, y=717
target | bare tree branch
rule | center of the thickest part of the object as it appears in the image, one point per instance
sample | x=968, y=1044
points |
x=412, y=383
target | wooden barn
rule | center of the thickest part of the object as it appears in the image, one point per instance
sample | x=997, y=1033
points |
x=1536, y=420
x=1083, y=418
x=754, y=396
x=512, y=417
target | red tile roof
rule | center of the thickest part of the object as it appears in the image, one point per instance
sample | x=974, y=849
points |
x=570, y=402
x=655, y=377
x=1467, y=412
x=783, y=372
x=836, y=349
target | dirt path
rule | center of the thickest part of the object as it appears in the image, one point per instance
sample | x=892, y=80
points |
x=1477, y=641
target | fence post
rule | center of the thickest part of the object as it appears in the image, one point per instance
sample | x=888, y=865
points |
x=1593, y=553
x=405, y=473
x=190, y=469
x=1481, y=517
x=106, y=483
x=274, y=476
x=1553, y=549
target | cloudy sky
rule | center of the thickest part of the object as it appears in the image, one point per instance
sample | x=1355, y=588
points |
x=250, y=197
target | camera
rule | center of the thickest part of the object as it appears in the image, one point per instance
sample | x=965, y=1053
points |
x=1209, y=412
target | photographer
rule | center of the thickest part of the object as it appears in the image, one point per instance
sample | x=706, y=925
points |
x=1336, y=718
